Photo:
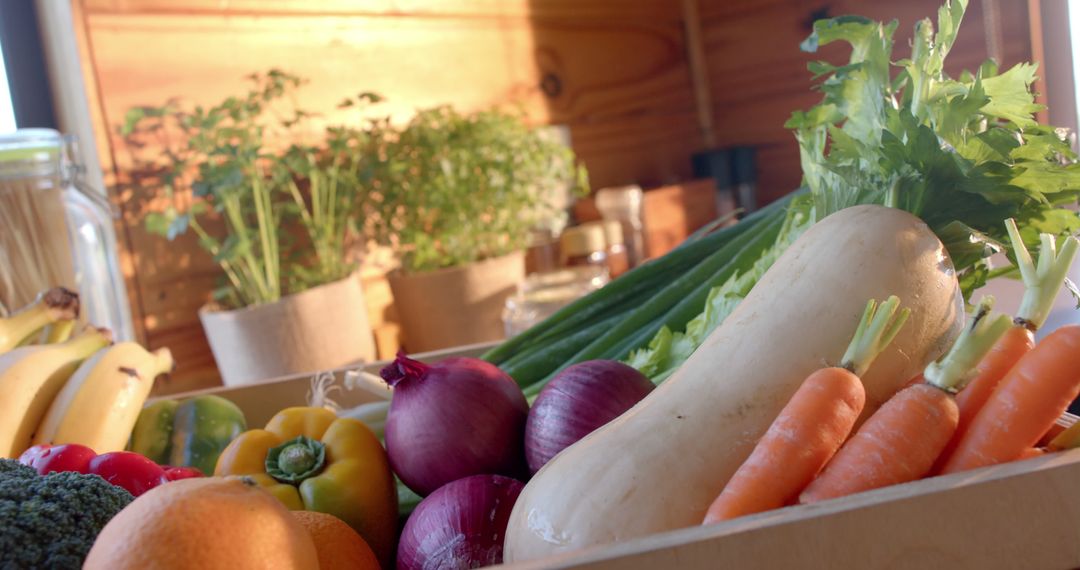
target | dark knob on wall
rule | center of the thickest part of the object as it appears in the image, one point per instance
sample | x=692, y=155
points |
x=551, y=85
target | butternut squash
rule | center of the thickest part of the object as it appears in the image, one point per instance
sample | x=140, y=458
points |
x=657, y=466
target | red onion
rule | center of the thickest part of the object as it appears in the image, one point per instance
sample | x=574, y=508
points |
x=458, y=417
x=576, y=402
x=460, y=525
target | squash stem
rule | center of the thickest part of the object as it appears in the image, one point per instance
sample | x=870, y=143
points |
x=877, y=328
x=954, y=370
x=1042, y=281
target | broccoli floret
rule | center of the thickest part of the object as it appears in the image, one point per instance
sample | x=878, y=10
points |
x=51, y=521
x=11, y=469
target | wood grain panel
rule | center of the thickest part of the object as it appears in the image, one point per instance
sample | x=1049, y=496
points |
x=575, y=10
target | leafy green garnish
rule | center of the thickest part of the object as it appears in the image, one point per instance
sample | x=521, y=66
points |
x=963, y=154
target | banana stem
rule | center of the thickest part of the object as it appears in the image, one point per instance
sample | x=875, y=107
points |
x=163, y=362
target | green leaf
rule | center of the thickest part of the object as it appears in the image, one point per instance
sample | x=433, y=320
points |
x=966, y=245
x=973, y=278
x=1056, y=221
x=992, y=145
x=232, y=247
x=131, y=119
x=1010, y=95
x=1046, y=177
x=855, y=30
x=157, y=223
x=953, y=118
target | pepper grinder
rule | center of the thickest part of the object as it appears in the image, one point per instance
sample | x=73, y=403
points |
x=745, y=178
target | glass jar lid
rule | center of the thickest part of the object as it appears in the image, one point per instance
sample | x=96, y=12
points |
x=31, y=152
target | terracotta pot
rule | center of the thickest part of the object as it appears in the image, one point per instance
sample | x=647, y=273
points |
x=322, y=328
x=458, y=305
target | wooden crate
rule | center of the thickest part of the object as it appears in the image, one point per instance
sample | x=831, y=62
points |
x=261, y=401
x=1019, y=515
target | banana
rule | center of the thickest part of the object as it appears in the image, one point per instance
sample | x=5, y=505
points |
x=31, y=376
x=99, y=405
x=56, y=304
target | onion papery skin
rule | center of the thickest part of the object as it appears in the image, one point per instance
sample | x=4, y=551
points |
x=455, y=418
x=578, y=401
x=460, y=525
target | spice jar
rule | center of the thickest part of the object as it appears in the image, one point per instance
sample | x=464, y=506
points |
x=584, y=245
x=542, y=252
x=618, y=261
x=624, y=204
x=56, y=231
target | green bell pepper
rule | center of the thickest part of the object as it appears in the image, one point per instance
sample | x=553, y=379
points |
x=189, y=433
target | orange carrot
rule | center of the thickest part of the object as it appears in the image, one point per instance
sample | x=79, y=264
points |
x=811, y=427
x=1030, y=398
x=903, y=439
x=799, y=443
x=1042, y=282
x=1016, y=342
x=899, y=443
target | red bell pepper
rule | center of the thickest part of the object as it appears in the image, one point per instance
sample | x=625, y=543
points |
x=126, y=469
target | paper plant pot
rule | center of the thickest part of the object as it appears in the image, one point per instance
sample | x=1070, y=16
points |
x=458, y=305
x=322, y=328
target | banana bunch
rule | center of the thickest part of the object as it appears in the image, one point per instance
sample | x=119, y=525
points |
x=53, y=315
x=58, y=388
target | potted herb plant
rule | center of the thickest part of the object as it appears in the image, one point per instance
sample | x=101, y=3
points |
x=458, y=196
x=278, y=222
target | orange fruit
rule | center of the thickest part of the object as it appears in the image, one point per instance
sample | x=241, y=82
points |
x=339, y=546
x=203, y=523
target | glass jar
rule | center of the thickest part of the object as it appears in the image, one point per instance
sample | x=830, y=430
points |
x=584, y=245
x=54, y=230
x=541, y=294
x=617, y=259
x=624, y=204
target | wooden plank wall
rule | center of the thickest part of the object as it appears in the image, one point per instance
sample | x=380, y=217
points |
x=615, y=71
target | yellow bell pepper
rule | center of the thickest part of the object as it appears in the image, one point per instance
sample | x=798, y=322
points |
x=310, y=459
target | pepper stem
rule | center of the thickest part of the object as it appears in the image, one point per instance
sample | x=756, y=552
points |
x=296, y=460
x=1043, y=281
x=954, y=370
x=403, y=368
x=877, y=328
